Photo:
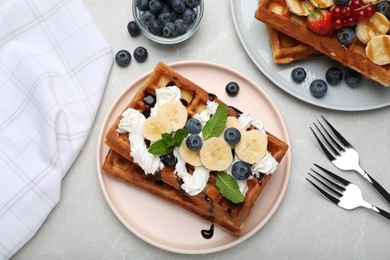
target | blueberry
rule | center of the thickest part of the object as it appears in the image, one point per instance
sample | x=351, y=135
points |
x=178, y=5
x=232, y=135
x=353, y=78
x=241, y=170
x=189, y=16
x=123, y=58
x=194, y=126
x=384, y=8
x=155, y=6
x=334, y=76
x=165, y=17
x=193, y=3
x=318, y=88
x=155, y=27
x=133, y=29
x=346, y=36
x=232, y=89
x=194, y=142
x=341, y=2
x=298, y=74
x=140, y=54
x=169, y=159
x=169, y=30
x=142, y=5
x=147, y=17
x=181, y=27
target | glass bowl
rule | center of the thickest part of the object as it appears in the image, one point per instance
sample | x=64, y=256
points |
x=161, y=39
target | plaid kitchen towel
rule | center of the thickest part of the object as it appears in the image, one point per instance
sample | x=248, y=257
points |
x=54, y=64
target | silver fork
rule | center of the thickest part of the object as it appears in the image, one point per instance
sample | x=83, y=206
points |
x=343, y=155
x=343, y=193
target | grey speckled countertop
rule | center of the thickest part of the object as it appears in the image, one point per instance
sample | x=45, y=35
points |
x=305, y=226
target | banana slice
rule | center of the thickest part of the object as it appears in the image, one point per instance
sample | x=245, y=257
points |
x=322, y=3
x=378, y=51
x=189, y=156
x=155, y=126
x=175, y=113
x=216, y=154
x=367, y=29
x=299, y=7
x=252, y=147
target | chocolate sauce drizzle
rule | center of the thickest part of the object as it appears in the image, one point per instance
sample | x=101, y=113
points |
x=208, y=233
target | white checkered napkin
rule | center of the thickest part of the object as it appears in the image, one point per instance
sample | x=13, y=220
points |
x=54, y=64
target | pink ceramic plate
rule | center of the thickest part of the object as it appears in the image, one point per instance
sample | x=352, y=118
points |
x=167, y=226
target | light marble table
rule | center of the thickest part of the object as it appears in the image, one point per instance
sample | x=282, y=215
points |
x=305, y=226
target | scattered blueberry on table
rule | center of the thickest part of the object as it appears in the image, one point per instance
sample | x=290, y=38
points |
x=123, y=58
x=140, y=54
x=133, y=29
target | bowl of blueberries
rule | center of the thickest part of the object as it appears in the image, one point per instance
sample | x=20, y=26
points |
x=168, y=21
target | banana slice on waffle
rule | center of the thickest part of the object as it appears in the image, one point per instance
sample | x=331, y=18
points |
x=367, y=29
x=378, y=50
x=300, y=7
x=322, y=3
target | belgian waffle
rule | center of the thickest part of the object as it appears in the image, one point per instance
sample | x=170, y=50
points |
x=286, y=49
x=209, y=204
x=352, y=56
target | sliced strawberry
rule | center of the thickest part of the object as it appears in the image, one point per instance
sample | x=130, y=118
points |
x=319, y=21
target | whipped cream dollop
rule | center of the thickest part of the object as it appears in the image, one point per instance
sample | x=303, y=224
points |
x=164, y=95
x=133, y=122
x=205, y=115
x=247, y=120
x=193, y=183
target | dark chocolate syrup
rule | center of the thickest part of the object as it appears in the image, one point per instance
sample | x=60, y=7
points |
x=207, y=234
x=239, y=112
x=170, y=84
x=184, y=102
x=212, y=96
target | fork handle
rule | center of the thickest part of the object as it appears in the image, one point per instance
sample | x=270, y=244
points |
x=378, y=187
x=381, y=212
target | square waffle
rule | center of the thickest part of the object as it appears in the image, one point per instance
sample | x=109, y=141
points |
x=209, y=204
x=286, y=49
x=353, y=56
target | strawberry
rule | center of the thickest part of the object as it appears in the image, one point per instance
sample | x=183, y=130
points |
x=319, y=21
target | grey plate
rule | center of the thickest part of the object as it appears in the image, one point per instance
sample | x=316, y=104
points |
x=254, y=38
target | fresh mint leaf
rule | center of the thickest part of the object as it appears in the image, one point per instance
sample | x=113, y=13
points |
x=160, y=147
x=179, y=136
x=228, y=187
x=167, y=143
x=167, y=138
x=216, y=123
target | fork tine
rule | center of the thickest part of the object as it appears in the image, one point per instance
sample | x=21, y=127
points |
x=333, y=190
x=334, y=176
x=339, y=136
x=323, y=147
x=338, y=146
x=323, y=192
